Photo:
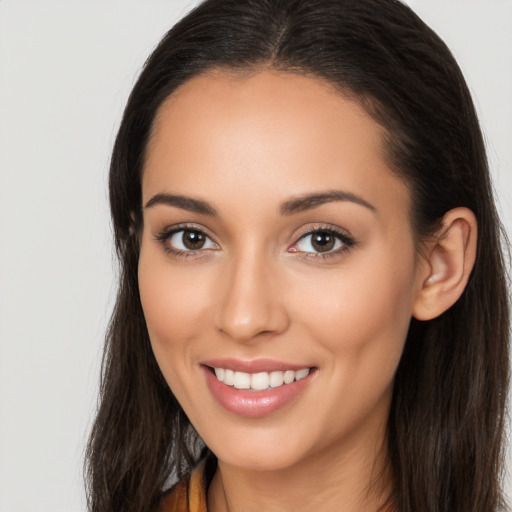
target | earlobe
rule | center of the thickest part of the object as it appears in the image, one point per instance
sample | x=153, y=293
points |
x=449, y=259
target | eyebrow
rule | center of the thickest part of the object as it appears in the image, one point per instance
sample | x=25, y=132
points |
x=308, y=201
x=184, y=202
x=299, y=204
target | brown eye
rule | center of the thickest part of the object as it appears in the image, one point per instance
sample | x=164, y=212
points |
x=185, y=240
x=193, y=240
x=322, y=241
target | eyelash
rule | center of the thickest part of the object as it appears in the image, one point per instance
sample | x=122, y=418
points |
x=346, y=241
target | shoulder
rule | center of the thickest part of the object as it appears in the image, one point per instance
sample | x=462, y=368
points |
x=189, y=495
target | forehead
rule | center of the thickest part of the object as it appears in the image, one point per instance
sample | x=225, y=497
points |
x=278, y=134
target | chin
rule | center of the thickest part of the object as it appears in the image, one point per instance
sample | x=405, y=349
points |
x=268, y=460
x=259, y=452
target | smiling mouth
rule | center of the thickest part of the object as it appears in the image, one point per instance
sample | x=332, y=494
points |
x=244, y=388
x=259, y=381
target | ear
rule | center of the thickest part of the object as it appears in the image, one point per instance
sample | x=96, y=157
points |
x=448, y=260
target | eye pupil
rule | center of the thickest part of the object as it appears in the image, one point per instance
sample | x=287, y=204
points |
x=322, y=241
x=193, y=240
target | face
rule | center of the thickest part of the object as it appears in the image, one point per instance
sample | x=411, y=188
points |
x=278, y=267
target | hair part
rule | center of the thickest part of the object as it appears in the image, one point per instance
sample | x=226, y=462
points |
x=446, y=424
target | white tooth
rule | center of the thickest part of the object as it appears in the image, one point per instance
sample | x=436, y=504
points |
x=242, y=380
x=259, y=381
x=300, y=374
x=229, y=377
x=219, y=372
x=289, y=376
x=276, y=379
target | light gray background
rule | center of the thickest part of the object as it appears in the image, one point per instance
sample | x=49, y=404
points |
x=66, y=69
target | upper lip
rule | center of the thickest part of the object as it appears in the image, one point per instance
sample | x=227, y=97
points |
x=253, y=366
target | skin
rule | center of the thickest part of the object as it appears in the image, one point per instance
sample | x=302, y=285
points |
x=246, y=145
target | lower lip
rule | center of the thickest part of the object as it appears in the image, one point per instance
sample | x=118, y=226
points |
x=254, y=404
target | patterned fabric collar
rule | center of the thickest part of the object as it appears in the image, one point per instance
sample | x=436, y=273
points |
x=189, y=495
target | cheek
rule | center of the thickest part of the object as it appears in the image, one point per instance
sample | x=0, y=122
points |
x=358, y=317
x=174, y=307
x=163, y=305
x=360, y=313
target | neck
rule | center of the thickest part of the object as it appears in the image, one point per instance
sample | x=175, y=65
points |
x=353, y=477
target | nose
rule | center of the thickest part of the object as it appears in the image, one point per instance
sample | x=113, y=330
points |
x=251, y=305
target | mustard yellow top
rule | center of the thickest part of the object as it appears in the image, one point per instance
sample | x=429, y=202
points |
x=189, y=495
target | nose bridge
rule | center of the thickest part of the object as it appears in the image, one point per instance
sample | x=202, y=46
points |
x=250, y=303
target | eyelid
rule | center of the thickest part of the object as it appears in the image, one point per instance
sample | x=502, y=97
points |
x=183, y=226
x=313, y=228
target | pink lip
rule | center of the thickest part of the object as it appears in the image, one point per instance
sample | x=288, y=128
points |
x=254, y=404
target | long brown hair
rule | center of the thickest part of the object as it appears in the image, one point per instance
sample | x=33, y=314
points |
x=446, y=424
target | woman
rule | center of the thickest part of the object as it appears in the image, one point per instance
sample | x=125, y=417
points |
x=312, y=281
